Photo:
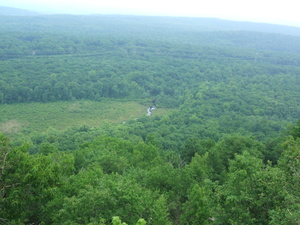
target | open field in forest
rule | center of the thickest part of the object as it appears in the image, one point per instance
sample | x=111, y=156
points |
x=62, y=115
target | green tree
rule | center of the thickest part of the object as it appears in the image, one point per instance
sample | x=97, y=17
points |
x=160, y=212
x=199, y=168
x=287, y=211
x=117, y=221
x=226, y=149
x=296, y=130
x=102, y=197
x=250, y=192
x=28, y=182
x=196, y=145
x=197, y=209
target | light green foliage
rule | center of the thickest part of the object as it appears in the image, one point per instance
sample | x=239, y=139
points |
x=197, y=209
x=160, y=213
x=4, y=152
x=196, y=145
x=199, y=168
x=5, y=164
x=117, y=221
x=141, y=222
x=296, y=130
x=145, y=155
x=287, y=212
x=250, y=192
x=105, y=197
x=62, y=115
x=226, y=149
x=290, y=156
x=29, y=182
x=111, y=154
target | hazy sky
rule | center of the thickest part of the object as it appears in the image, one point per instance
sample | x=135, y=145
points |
x=270, y=11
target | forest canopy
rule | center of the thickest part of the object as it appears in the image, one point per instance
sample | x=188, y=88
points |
x=224, y=148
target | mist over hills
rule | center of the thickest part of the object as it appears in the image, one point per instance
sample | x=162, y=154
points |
x=185, y=24
x=10, y=11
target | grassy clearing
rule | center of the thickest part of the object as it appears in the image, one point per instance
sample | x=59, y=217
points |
x=62, y=115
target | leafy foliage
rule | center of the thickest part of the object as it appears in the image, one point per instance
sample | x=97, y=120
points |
x=225, y=154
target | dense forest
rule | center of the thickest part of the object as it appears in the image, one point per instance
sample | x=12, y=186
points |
x=225, y=150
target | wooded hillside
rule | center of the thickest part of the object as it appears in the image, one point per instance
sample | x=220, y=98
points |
x=223, y=149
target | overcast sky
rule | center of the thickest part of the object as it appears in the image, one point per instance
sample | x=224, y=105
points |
x=270, y=11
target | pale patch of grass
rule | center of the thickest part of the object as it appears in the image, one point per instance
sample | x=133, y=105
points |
x=10, y=127
x=62, y=115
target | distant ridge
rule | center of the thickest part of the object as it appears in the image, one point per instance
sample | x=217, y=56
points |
x=9, y=11
x=184, y=24
x=207, y=24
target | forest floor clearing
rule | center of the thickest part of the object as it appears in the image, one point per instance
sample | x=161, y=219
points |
x=29, y=117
